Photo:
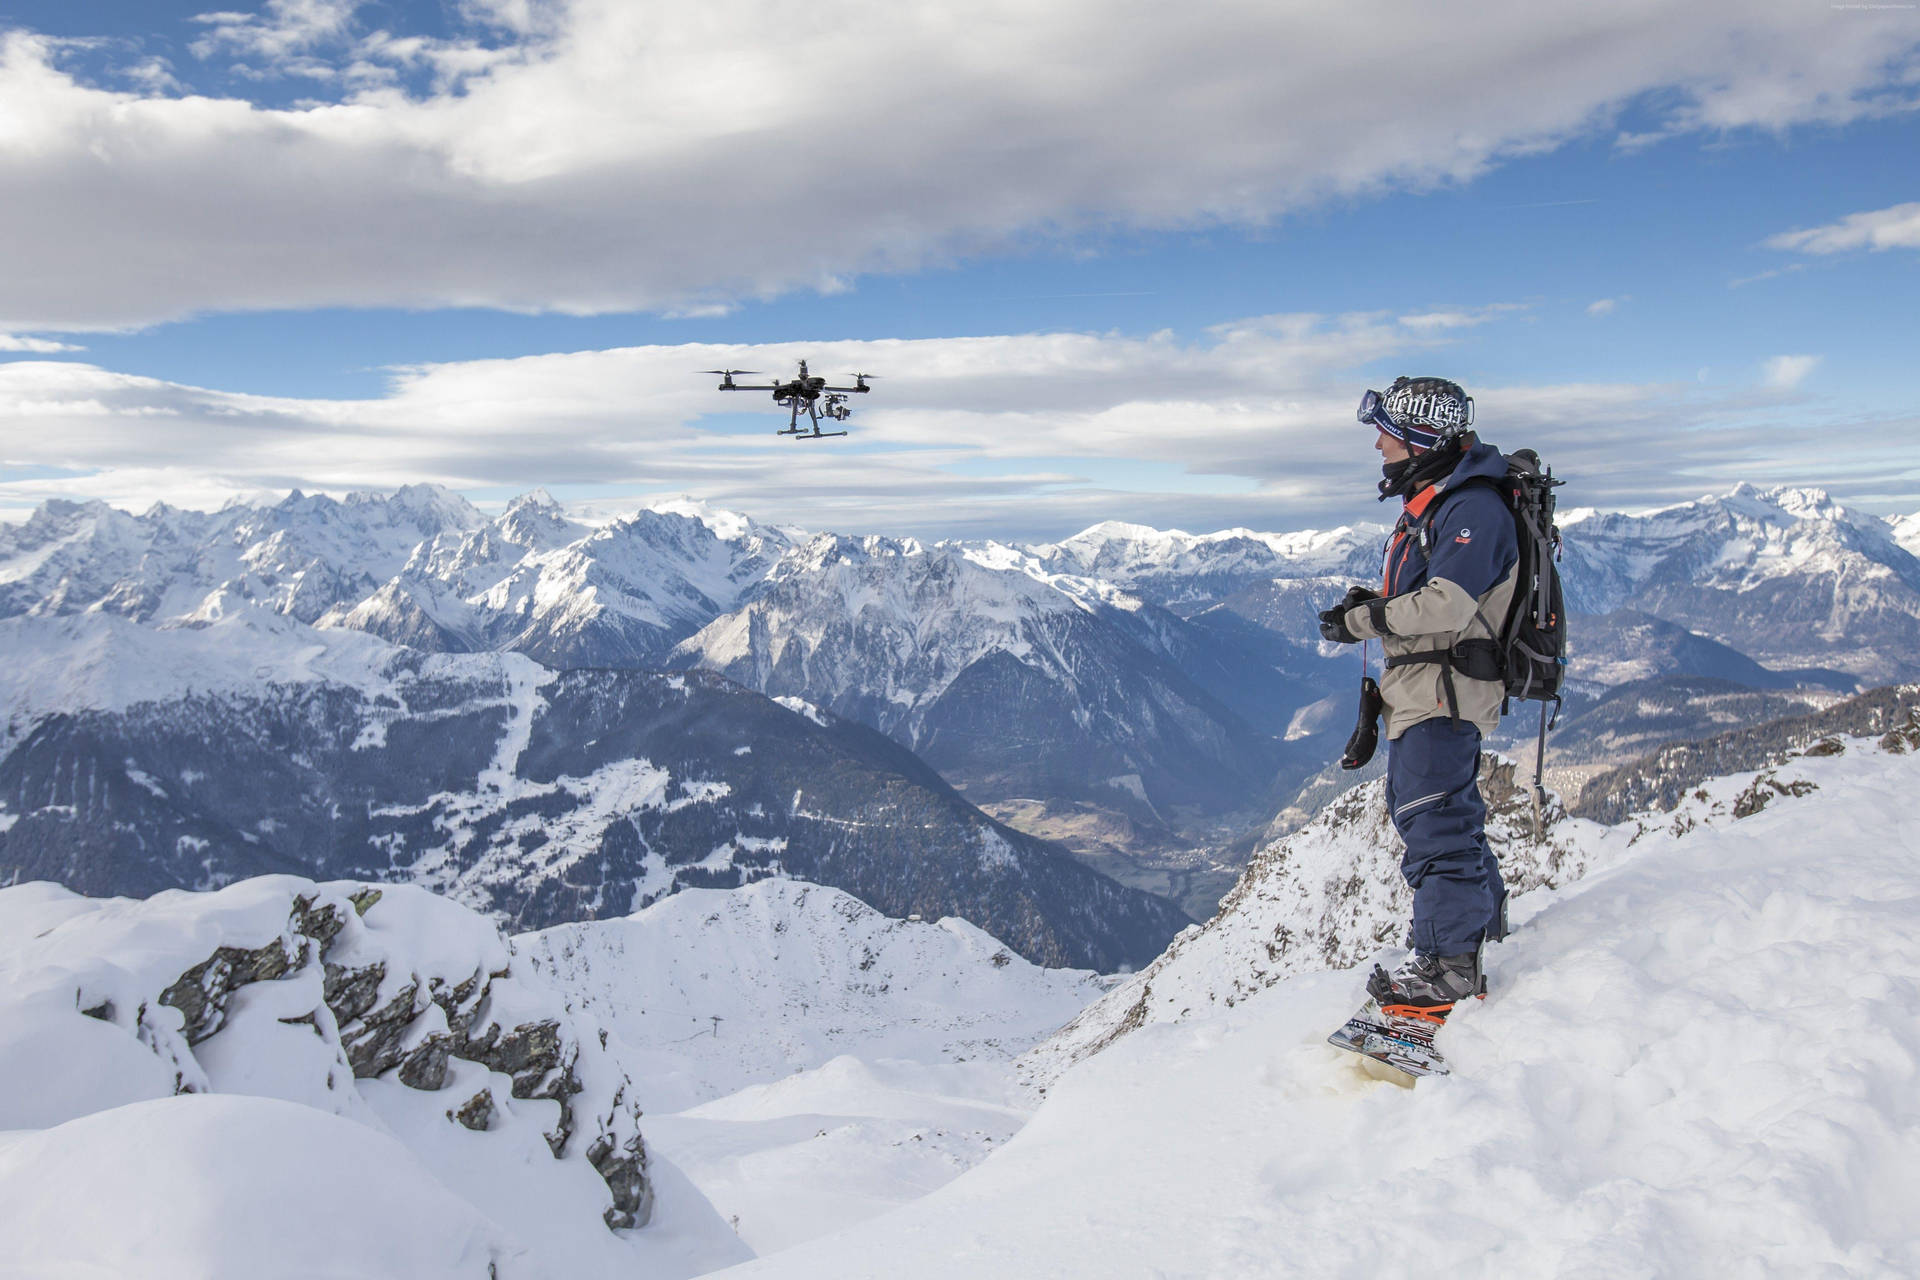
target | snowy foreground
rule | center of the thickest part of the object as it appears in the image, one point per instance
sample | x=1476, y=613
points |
x=1702, y=1058
x=286, y=1078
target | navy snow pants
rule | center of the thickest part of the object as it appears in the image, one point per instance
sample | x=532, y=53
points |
x=1433, y=793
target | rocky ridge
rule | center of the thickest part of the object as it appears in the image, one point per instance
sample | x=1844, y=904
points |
x=319, y=987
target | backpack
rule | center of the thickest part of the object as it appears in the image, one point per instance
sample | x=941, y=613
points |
x=1533, y=641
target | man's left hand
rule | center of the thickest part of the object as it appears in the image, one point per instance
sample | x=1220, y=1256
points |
x=1333, y=625
x=1333, y=622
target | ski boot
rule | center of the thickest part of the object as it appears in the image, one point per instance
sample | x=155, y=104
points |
x=1418, y=996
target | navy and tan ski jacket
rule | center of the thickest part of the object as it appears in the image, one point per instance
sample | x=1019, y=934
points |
x=1450, y=570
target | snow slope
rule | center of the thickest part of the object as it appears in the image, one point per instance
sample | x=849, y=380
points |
x=216, y=1187
x=859, y=1062
x=1906, y=532
x=1700, y=1060
x=797, y=974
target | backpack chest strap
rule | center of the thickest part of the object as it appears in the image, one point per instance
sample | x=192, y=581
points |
x=1474, y=659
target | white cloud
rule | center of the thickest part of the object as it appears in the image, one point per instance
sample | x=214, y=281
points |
x=1784, y=373
x=39, y=346
x=615, y=155
x=1459, y=319
x=286, y=28
x=1894, y=228
x=1014, y=435
x=1603, y=307
x=1789, y=269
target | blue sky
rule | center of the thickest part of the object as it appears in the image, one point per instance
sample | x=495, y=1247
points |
x=1628, y=304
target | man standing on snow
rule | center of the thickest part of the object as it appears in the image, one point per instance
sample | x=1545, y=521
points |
x=1450, y=573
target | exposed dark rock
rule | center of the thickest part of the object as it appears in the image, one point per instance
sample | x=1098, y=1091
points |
x=200, y=994
x=363, y=901
x=462, y=1002
x=539, y=1056
x=475, y=1113
x=1905, y=738
x=527, y=1053
x=350, y=992
x=375, y=1044
x=624, y=1168
x=1763, y=791
x=321, y=923
x=425, y=1066
x=310, y=1020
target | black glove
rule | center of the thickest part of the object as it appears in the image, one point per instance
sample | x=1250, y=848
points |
x=1333, y=622
x=1366, y=734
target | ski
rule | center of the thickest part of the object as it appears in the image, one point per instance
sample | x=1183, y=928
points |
x=1401, y=1048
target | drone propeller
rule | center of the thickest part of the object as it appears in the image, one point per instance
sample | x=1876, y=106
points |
x=866, y=377
x=727, y=373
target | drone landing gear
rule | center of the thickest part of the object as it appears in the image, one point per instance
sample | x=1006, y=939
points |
x=834, y=410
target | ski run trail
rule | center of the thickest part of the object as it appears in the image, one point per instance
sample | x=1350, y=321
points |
x=1703, y=1059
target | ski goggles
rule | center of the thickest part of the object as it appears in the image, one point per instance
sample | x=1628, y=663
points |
x=1373, y=412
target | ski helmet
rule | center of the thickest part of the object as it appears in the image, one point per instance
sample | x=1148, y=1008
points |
x=1420, y=412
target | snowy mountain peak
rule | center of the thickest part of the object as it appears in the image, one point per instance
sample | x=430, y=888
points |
x=1778, y=503
x=1786, y=575
x=1186, y=572
x=1906, y=532
x=432, y=508
x=824, y=551
x=727, y=525
x=1123, y=531
x=536, y=499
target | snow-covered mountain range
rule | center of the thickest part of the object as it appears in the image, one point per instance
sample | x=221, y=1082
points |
x=1144, y=693
x=1788, y=576
x=425, y=565
x=1009, y=678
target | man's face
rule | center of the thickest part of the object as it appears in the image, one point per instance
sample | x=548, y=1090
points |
x=1391, y=449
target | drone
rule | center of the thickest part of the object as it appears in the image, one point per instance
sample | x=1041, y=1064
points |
x=804, y=393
